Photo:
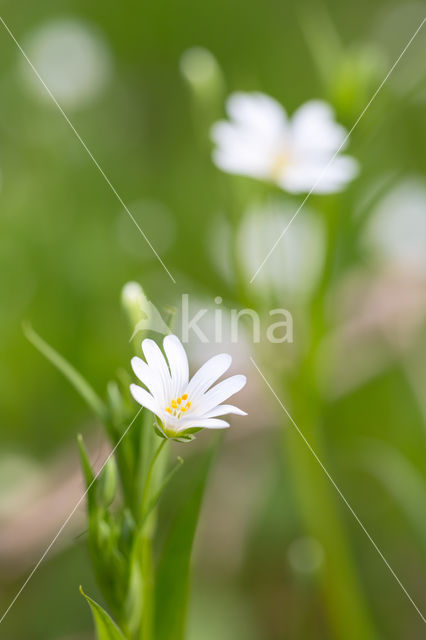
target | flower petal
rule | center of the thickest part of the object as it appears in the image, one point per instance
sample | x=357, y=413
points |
x=178, y=363
x=157, y=362
x=239, y=151
x=314, y=129
x=209, y=423
x=258, y=112
x=319, y=176
x=144, y=398
x=220, y=392
x=224, y=409
x=147, y=376
x=249, y=143
x=207, y=375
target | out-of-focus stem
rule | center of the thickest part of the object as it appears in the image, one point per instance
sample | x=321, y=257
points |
x=347, y=609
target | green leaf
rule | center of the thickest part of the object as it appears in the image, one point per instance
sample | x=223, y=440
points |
x=89, y=476
x=117, y=406
x=106, y=629
x=107, y=483
x=85, y=462
x=70, y=373
x=173, y=572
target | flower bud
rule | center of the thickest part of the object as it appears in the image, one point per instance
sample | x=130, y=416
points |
x=134, y=302
x=204, y=77
x=137, y=308
x=199, y=67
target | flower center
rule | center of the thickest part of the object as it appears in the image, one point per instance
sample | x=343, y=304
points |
x=280, y=162
x=179, y=406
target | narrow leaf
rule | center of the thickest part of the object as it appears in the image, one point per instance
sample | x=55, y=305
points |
x=85, y=462
x=173, y=573
x=89, y=476
x=106, y=629
x=71, y=374
x=106, y=483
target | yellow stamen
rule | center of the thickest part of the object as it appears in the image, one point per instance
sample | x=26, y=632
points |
x=177, y=408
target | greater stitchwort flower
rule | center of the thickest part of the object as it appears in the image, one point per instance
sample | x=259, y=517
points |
x=296, y=153
x=184, y=406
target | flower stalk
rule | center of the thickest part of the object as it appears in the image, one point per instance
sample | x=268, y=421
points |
x=122, y=498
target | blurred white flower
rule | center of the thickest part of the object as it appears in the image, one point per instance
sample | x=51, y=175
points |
x=297, y=266
x=294, y=270
x=72, y=58
x=396, y=229
x=260, y=141
x=182, y=404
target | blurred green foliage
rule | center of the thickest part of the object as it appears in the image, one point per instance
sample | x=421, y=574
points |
x=67, y=248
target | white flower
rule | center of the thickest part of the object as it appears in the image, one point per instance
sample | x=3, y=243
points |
x=179, y=403
x=262, y=142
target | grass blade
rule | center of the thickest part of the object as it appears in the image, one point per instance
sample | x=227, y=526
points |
x=172, y=585
x=71, y=374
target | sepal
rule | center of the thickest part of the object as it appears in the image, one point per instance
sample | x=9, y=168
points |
x=184, y=438
x=159, y=431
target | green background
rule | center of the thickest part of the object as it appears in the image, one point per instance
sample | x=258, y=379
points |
x=67, y=248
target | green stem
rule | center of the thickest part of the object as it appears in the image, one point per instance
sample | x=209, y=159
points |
x=146, y=553
x=156, y=497
x=147, y=488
